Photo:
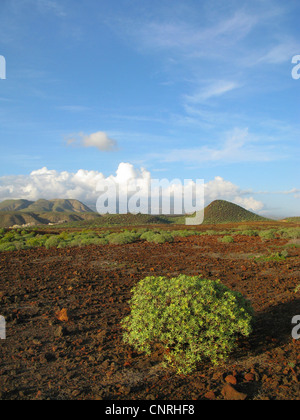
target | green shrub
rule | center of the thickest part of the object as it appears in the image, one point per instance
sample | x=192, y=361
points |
x=267, y=234
x=52, y=242
x=7, y=247
x=75, y=242
x=8, y=237
x=226, y=240
x=183, y=233
x=20, y=245
x=158, y=238
x=249, y=232
x=122, y=238
x=210, y=232
x=37, y=241
x=148, y=236
x=194, y=319
x=275, y=256
x=291, y=233
x=162, y=238
x=93, y=241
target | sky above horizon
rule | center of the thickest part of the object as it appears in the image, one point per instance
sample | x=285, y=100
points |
x=161, y=89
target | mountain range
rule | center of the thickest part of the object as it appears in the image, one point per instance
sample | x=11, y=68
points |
x=40, y=206
x=59, y=211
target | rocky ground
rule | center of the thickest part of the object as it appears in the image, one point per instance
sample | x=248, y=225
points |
x=63, y=309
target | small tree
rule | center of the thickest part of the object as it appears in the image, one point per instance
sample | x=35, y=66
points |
x=194, y=319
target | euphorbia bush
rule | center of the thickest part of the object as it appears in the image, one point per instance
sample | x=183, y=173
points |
x=193, y=318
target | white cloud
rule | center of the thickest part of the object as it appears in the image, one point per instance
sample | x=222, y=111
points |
x=215, y=89
x=226, y=190
x=240, y=146
x=84, y=186
x=181, y=35
x=281, y=53
x=100, y=140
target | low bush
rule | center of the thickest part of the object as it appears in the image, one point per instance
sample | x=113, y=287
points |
x=267, y=234
x=290, y=233
x=122, y=238
x=210, y=232
x=52, y=242
x=192, y=318
x=4, y=247
x=275, y=256
x=249, y=232
x=226, y=240
x=157, y=237
x=183, y=233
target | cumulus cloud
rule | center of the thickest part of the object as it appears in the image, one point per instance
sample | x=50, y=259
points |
x=219, y=188
x=100, y=140
x=85, y=185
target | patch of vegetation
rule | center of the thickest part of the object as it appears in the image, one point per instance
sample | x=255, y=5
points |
x=184, y=233
x=275, y=256
x=247, y=232
x=209, y=232
x=290, y=233
x=292, y=219
x=266, y=235
x=194, y=319
x=157, y=237
x=226, y=240
x=297, y=289
x=123, y=238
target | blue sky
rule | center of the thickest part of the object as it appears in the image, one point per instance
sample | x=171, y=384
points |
x=185, y=89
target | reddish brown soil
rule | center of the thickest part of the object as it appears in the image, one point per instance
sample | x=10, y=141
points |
x=84, y=358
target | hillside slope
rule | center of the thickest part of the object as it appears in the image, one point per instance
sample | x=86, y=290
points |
x=56, y=205
x=10, y=219
x=15, y=205
x=221, y=211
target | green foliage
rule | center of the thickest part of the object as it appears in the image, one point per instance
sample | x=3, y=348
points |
x=4, y=247
x=37, y=241
x=275, y=256
x=226, y=240
x=267, y=234
x=290, y=233
x=8, y=237
x=158, y=237
x=194, y=319
x=210, y=232
x=52, y=242
x=221, y=211
x=183, y=233
x=297, y=289
x=249, y=232
x=123, y=238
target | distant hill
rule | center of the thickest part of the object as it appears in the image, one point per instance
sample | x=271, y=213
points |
x=15, y=205
x=74, y=213
x=43, y=212
x=57, y=205
x=10, y=219
x=221, y=211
